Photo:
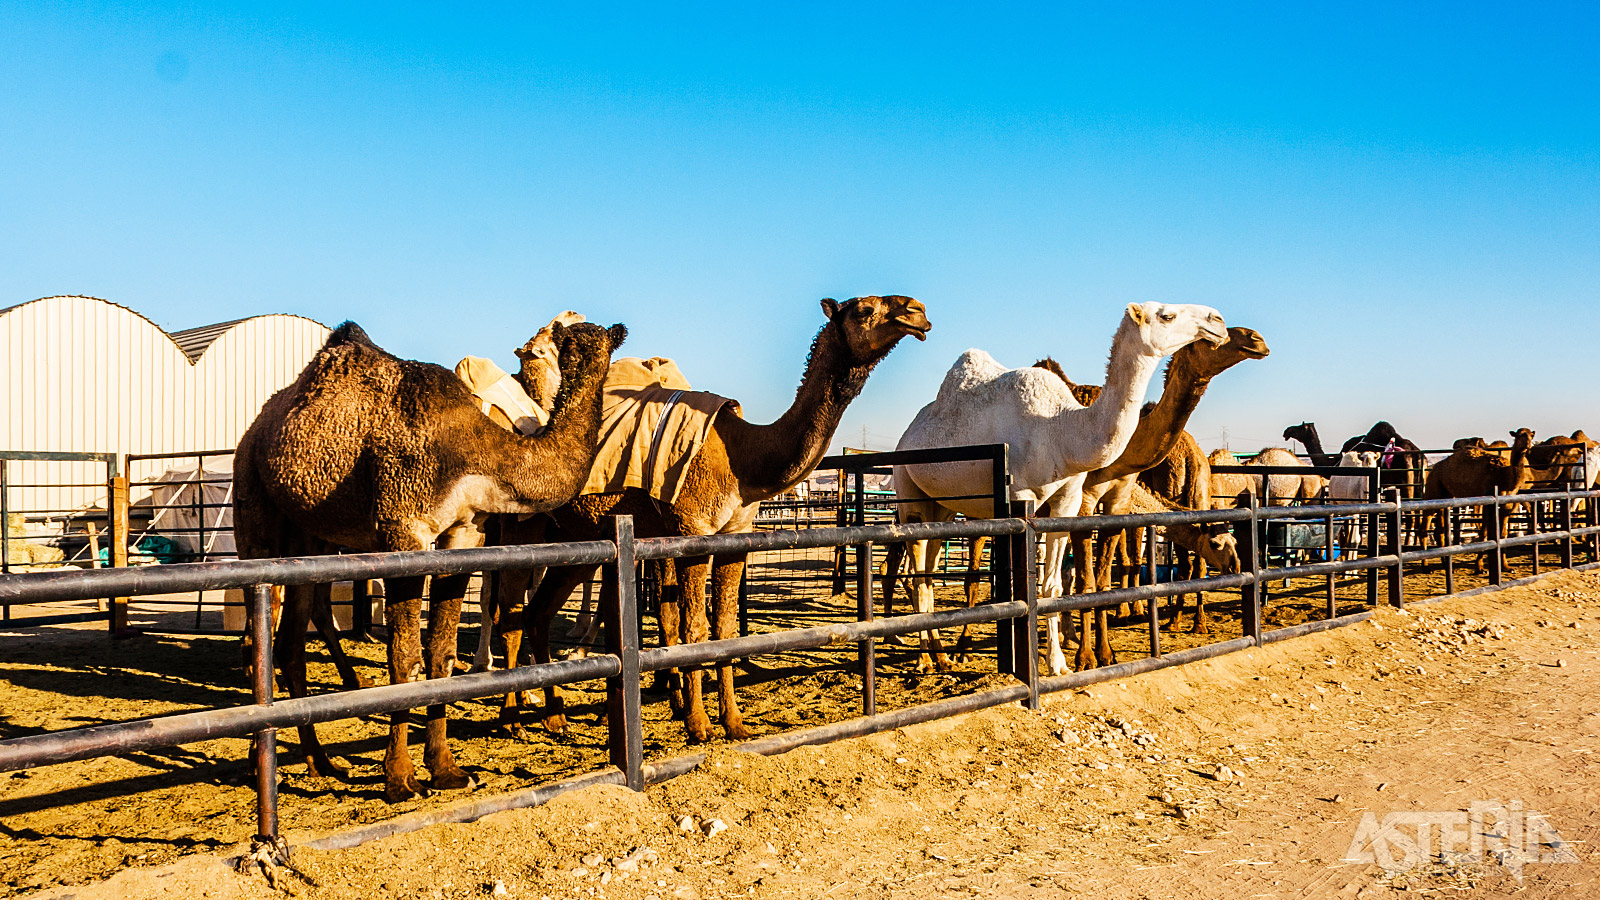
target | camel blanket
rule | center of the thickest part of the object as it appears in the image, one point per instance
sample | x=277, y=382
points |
x=497, y=390
x=652, y=425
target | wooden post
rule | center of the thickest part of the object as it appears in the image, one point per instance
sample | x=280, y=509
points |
x=117, y=539
x=866, y=652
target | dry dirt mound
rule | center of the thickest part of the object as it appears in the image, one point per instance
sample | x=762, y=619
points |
x=1243, y=776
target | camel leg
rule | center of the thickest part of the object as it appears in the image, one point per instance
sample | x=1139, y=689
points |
x=725, y=575
x=290, y=644
x=669, y=617
x=538, y=616
x=402, y=611
x=490, y=620
x=322, y=617
x=927, y=561
x=1055, y=552
x=694, y=627
x=974, y=562
x=444, y=620
x=894, y=557
x=510, y=610
x=1085, y=657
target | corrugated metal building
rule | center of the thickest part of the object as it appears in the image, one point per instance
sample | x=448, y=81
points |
x=86, y=375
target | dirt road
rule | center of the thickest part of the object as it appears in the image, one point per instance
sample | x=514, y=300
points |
x=1249, y=776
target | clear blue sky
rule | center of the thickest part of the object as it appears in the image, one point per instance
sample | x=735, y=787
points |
x=1404, y=198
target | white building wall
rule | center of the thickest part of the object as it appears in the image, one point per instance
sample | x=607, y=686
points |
x=85, y=375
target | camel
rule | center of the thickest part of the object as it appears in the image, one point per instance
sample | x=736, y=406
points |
x=1212, y=545
x=1188, y=375
x=740, y=465
x=367, y=451
x=1284, y=490
x=1352, y=489
x=1055, y=440
x=1306, y=434
x=1106, y=490
x=1473, y=472
x=1227, y=487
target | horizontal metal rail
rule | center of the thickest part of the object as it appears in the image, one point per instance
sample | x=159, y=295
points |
x=237, y=721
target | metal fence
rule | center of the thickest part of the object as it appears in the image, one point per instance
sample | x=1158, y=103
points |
x=1014, y=609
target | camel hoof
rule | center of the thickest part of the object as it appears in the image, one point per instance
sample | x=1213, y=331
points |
x=903, y=640
x=736, y=731
x=451, y=779
x=942, y=663
x=556, y=724
x=323, y=766
x=403, y=790
x=699, y=728
x=1058, y=664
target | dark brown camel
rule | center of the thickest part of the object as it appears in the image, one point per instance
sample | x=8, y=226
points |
x=372, y=452
x=740, y=465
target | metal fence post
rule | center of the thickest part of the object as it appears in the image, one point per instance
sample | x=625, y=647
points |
x=1250, y=594
x=866, y=650
x=1001, y=560
x=266, y=740
x=1451, y=537
x=1330, y=554
x=1024, y=574
x=5, y=533
x=117, y=537
x=1372, y=537
x=1566, y=528
x=1397, y=591
x=1153, y=605
x=1497, y=561
x=623, y=715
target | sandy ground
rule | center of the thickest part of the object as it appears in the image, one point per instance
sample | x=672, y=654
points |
x=1239, y=777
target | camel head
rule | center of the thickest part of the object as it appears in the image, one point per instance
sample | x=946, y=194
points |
x=1298, y=432
x=541, y=364
x=1522, y=437
x=1220, y=549
x=1165, y=327
x=584, y=347
x=1207, y=360
x=871, y=326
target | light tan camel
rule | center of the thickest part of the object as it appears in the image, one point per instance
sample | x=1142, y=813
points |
x=1477, y=472
x=376, y=453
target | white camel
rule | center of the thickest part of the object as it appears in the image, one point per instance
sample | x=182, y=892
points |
x=1352, y=489
x=1054, y=441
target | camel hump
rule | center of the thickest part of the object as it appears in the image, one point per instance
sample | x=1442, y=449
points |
x=349, y=332
x=972, y=368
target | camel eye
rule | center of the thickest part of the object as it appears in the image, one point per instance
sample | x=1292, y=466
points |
x=1166, y=315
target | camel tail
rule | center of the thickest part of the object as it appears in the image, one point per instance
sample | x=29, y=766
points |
x=349, y=333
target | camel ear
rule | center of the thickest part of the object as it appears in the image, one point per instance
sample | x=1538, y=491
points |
x=1136, y=313
x=618, y=333
x=830, y=307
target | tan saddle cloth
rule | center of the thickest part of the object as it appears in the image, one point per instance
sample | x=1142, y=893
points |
x=652, y=426
x=497, y=390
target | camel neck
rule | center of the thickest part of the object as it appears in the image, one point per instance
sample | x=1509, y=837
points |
x=770, y=459
x=1313, y=442
x=1156, y=434
x=1094, y=437
x=561, y=454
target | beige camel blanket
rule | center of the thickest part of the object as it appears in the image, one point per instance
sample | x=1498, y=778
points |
x=651, y=428
x=497, y=390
